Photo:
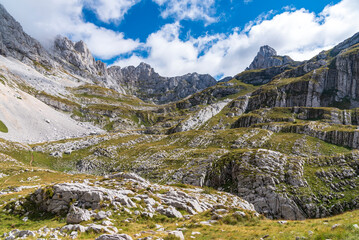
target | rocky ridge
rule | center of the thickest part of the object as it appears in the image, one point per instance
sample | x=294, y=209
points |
x=99, y=204
x=143, y=82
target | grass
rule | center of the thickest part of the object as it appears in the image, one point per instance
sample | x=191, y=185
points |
x=2, y=79
x=229, y=228
x=40, y=65
x=58, y=99
x=3, y=127
x=351, y=50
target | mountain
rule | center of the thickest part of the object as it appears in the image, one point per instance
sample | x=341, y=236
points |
x=143, y=82
x=324, y=81
x=76, y=59
x=267, y=57
x=265, y=66
x=14, y=42
x=279, y=139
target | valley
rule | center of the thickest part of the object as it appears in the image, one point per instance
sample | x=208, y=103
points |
x=95, y=152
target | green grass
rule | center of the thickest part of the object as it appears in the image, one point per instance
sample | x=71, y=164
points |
x=2, y=79
x=40, y=65
x=59, y=99
x=3, y=127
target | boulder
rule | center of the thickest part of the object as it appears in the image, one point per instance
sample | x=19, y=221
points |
x=77, y=215
x=114, y=237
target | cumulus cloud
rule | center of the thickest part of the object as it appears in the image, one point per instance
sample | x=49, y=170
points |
x=110, y=10
x=298, y=33
x=188, y=9
x=44, y=19
x=295, y=32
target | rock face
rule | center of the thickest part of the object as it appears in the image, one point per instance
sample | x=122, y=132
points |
x=267, y=57
x=14, y=42
x=316, y=83
x=143, y=82
x=79, y=57
x=345, y=44
x=254, y=176
x=277, y=186
x=198, y=119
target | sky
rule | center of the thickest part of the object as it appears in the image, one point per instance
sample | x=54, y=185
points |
x=218, y=37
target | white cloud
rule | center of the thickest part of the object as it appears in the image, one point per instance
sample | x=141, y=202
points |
x=44, y=19
x=188, y=9
x=110, y=10
x=298, y=33
x=295, y=32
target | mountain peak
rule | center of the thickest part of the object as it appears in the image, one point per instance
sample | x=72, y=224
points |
x=78, y=55
x=144, y=66
x=267, y=51
x=267, y=57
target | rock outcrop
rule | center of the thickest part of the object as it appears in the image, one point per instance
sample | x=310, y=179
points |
x=199, y=118
x=254, y=176
x=74, y=199
x=278, y=187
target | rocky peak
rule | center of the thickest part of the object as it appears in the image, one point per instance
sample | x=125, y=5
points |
x=63, y=44
x=14, y=42
x=148, y=85
x=144, y=66
x=81, y=47
x=267, y=51
x=78, y=55
x=267, y=57
x=146, y=70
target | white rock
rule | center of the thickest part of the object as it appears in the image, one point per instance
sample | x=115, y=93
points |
x=77, y=215
x=114, y=237
x=177, y=234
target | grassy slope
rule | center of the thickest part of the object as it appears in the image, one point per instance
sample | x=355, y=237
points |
x=3, y=127
x=228, y=228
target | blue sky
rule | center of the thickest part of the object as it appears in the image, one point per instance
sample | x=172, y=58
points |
x=219, y=37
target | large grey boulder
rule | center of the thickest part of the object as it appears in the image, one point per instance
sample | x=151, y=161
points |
x=77, y=215
x=183, y=201
x=169, y=212
x=114, y=237
x=177, y=234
